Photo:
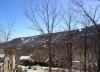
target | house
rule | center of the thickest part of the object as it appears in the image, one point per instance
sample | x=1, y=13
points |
x=25, y=57
x=26, y=60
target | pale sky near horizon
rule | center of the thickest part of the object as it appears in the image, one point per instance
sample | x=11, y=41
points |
x=13, y=9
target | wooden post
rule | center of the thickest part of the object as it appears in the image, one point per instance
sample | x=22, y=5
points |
x=13, y=62
x=6, y=64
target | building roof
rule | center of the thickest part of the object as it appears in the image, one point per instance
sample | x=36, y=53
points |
x=24, y=57
x=2, y=55
x=76, y=61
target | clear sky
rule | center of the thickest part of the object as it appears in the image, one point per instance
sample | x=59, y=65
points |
x=13, y=9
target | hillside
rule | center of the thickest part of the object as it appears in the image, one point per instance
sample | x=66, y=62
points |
x=36, y=46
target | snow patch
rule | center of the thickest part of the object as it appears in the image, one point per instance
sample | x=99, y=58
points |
x=22, y=39
x=1, y=63
x=2, y=55
x=24, y=57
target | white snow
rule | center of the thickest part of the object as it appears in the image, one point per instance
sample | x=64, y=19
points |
x=76, y=61
x=33, y=69
x=19, y=48
x=53, y=68
x=22, y=39
x=26, y=41
x=37, y=69
x=45, y=69
x=2, y=55
x=45, y=45
x=24, y=57
x=1, y=63
x=46, y=60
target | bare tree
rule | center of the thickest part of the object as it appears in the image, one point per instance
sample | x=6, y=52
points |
x=93, y=18
x=6, y=38
x=0, y=35
x=85, y=36
x=7, y=35
x=44, y=19
x=70, y=23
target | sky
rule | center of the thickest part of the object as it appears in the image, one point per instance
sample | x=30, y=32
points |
x=14, y=10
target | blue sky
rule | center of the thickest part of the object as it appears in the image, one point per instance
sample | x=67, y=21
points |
x=13, y=9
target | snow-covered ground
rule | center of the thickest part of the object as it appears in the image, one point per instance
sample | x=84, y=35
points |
x=45, y=69
x=36, y=69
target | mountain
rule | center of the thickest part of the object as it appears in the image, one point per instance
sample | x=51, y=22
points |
x=37, y=45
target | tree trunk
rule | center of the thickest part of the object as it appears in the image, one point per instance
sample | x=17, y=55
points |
x=50, y=56
x=98, y=69
x=6, y=64
x=85, y=51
